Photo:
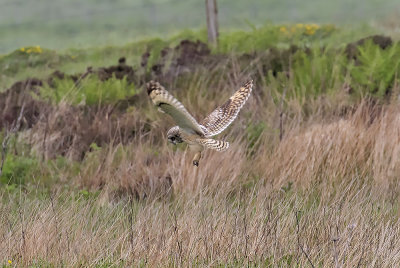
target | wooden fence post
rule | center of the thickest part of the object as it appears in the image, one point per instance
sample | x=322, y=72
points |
x=212, y=22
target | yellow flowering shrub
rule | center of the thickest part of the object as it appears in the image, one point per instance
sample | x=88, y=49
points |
x=300, y=29
x=31, y=50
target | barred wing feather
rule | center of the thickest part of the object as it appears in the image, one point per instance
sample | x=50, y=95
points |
x=171, y=106
x=225, y=114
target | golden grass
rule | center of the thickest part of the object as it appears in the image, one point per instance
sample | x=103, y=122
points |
x=365, y=144
x=347, y=224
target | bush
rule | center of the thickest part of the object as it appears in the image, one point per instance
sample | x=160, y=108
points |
x=375, y=69
x=311, y=73
x=18, y=169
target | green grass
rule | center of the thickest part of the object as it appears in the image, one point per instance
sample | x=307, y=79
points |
x=64, y=24
x=88, y=91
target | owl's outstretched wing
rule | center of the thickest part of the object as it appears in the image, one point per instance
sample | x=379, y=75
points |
x=168, y=104
x=225, y=114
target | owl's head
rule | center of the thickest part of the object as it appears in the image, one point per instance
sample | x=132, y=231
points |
x=174, y=135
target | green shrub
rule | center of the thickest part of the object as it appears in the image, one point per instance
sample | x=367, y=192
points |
x=317, y=72
x=311, y=74
x=18, y=169
x=375, y=69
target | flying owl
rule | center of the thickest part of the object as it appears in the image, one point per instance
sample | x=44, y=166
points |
x=198, y=136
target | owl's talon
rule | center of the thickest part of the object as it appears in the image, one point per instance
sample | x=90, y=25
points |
x=195, y=163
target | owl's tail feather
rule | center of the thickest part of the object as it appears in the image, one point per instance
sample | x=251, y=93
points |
x=214, y=144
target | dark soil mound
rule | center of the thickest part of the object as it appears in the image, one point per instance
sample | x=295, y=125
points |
x=190, y=53
x=380, y=40
x=118, y=71
x=12, y=100
x=184, y=58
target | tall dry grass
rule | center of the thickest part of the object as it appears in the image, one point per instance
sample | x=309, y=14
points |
x=364, y=144
x=347, y=224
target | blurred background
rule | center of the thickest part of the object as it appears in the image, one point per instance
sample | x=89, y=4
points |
x=64, y=24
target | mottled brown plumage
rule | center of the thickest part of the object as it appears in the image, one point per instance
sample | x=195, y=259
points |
x=196, y=135
x=224, y=115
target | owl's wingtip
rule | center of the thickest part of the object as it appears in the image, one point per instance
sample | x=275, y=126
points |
x=249, y=83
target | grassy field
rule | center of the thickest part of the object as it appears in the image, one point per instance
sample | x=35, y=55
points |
x=310, y=179
x=92, y=23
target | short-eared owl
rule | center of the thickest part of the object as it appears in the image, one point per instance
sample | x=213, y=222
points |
x=198, y=136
